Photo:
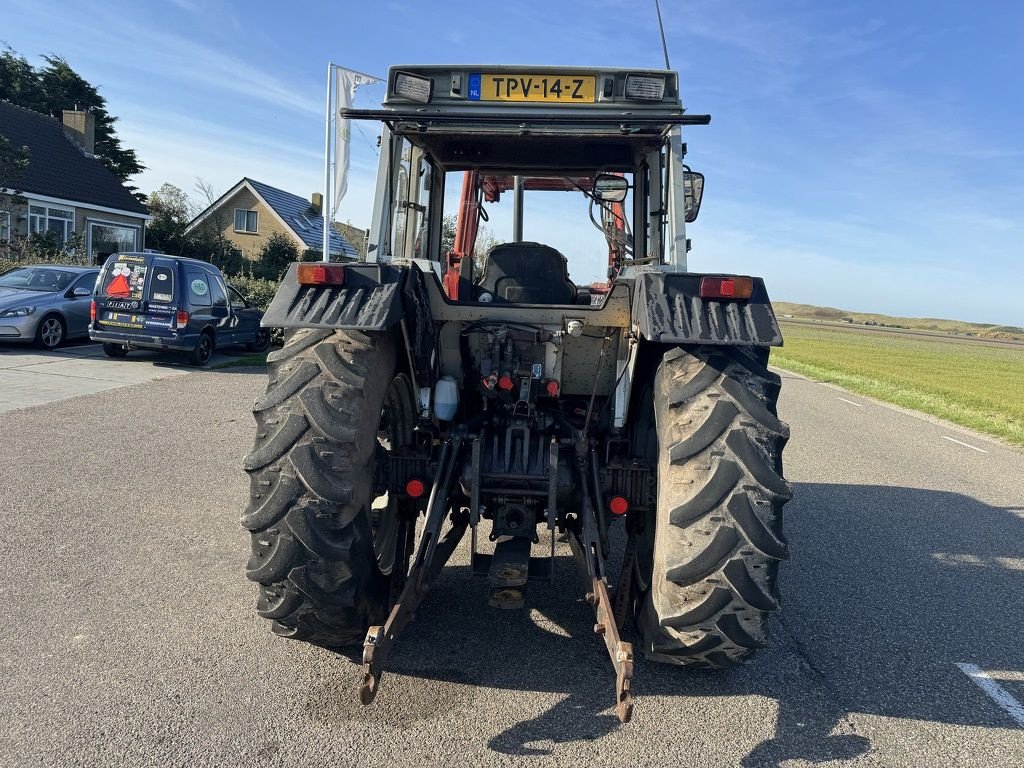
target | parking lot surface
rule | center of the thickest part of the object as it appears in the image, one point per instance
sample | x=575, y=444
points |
x=131, y=639
x=33, y=377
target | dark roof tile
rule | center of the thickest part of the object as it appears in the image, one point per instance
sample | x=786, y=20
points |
x=58, y=167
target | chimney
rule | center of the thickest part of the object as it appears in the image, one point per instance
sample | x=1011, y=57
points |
x=316, y=202
x=80, y=126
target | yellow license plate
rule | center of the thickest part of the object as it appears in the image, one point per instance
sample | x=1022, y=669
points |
x=562, y=89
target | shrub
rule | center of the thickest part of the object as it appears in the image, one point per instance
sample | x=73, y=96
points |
x=257, y=290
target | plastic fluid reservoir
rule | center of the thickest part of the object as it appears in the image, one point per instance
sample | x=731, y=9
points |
x=446, y=398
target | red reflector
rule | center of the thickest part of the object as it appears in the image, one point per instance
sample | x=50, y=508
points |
x=415, y=488
x=182, y=319
x=726, y=287
x=618, y=505
x=505, y=383
x=92, y=312
x=320, y=274
x=552, y=388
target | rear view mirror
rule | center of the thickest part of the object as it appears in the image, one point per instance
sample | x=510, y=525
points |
x=693, y=188
x=609, y=188
x=80, y=291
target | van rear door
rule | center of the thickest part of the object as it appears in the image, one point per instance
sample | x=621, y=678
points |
x=137, y=292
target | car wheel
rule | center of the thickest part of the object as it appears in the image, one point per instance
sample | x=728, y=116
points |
x=201, y=355
x=50, y=332
x=115, y=350
x=262, y=342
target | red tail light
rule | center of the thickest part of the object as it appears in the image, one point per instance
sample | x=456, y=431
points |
x=726, y=287
x=320, y=274
x=415, y=488
x=618, y=505
x=181, y=320
x=92, y=312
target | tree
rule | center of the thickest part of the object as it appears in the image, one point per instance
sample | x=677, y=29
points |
x=172, y=210
x=275, y=257
x=56, y=87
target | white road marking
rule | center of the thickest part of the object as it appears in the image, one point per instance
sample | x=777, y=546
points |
x=994, y=691
x=965, y=445
x=850, y=402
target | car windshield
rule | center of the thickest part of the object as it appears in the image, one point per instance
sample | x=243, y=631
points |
x=37, y=279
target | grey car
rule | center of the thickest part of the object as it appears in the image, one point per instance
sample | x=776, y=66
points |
x=46, y=304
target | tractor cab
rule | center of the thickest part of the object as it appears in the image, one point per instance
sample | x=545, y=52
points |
x=532, y=185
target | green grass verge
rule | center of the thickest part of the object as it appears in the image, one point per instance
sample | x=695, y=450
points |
x=246, y=361
x=976, y=386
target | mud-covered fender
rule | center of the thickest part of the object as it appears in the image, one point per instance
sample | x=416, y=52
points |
x=374, y=297
x=668, y=309
x=369, y=300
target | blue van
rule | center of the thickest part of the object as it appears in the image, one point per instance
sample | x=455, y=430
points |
x=155, y=301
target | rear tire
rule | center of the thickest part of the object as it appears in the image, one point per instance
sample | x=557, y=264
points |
x=115, y=350
x=707, y=571
x=323, y=552
x=200, y=356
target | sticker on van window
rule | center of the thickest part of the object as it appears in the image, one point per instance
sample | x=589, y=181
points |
x=161, y=296
x=199, y=287
x=161, y=276
x=127, y=280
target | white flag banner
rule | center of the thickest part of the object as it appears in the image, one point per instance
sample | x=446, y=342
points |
x=345, y=83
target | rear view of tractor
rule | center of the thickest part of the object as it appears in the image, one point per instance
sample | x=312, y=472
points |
x=577, y=384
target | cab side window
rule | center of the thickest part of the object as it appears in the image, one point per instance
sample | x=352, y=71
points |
x=198, y=289
x=237, y=300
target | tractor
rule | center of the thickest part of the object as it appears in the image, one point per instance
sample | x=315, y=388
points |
x=437, y=386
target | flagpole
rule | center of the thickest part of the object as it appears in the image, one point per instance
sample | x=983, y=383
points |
x=326, y=202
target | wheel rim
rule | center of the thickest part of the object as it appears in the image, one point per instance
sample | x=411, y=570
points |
x=394, y=431
x=204, y=349
x=51, y=332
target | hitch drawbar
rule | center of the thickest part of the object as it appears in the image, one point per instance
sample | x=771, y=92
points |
x=434, y=551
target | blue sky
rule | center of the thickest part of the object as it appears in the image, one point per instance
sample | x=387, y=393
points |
x=867, y=155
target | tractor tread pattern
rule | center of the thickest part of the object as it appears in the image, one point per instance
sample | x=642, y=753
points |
x=719, y=538
x=310, y=472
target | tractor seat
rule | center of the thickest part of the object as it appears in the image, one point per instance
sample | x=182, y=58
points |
x=526, y=273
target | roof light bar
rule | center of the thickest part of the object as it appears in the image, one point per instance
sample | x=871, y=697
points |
x=645, y=87
x=413, y=88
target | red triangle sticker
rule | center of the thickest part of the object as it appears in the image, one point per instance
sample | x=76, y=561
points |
x=119, y=287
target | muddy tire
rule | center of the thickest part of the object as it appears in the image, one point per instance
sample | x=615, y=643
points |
x=323, y=554
x=707, y=571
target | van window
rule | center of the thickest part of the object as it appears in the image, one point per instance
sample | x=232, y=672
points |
x=124, y=277
x=161, y=285
x=198, y=289
x=220, y=299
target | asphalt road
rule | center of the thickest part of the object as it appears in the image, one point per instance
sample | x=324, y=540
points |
x=130, y=639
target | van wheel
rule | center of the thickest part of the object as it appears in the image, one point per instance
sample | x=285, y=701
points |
x=201, y=355
x=115, y=350
x=262, y=341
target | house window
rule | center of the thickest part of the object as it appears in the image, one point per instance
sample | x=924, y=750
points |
x=43, y=220
x=246, y=221
x=5, y=227
x=105, y=239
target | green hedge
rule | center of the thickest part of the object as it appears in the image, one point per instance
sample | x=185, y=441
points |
x=257, y=290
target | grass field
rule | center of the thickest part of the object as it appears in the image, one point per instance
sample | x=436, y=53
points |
x=981, y=330
x=975, y=385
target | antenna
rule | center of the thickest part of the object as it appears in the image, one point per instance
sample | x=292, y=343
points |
x=664, y=46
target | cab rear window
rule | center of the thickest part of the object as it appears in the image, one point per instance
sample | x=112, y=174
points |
x=161, y=285
x=124, y=278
